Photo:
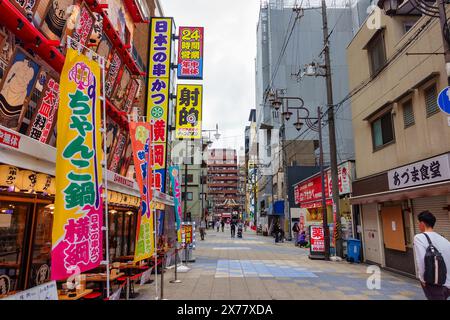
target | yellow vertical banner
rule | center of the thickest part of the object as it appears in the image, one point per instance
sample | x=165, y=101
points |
x=78, y=215
x=189, y=111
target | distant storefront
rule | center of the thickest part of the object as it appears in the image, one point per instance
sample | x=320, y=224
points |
x=308, y=196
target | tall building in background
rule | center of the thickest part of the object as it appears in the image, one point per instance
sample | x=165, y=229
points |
x=223, y=182
x=288, y=38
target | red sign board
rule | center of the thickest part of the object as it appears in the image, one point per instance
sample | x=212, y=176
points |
x=310, y=191
x=317, y=238
x=9, y=139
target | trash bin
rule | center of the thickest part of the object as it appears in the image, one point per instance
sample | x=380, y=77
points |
x=353, y=250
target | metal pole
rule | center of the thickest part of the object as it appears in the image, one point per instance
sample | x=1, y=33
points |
x=324, y=202
x=105, y=175
x=332, y=132
x=163, y=261
x=285, y=189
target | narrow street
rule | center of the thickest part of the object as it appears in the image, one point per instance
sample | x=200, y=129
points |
x=255, y=268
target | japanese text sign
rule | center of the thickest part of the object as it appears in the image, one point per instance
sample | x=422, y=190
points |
x=190, y=53
x=113, y=73
x=174, y=172
x=186, y=234
x=9, y=139
x=428, y=171
x=344, y=179
x=158, y=92
x=189, y=111
x=83, y=27
x=141, y=140
x=317, y=239
x=78, y=216
x=310, y=190
x=42, y=123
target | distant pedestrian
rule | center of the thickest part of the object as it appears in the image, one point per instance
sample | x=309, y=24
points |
x=218, y=225
x=233, y=228
x=302, y=239
x=432, y=253
x=296, y=230
x=202, y=229
x=223, y=225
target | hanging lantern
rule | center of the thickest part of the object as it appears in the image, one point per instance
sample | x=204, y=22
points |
x=43, y=182
x=8, y=175
x=52, y=188
x=26, y=180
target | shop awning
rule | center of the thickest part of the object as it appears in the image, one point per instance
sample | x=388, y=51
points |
x=428, y=190
x=315, y=204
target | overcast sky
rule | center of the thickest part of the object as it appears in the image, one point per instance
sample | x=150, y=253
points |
x=229, y=61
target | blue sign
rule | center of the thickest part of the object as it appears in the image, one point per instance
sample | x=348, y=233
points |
x=444, y=100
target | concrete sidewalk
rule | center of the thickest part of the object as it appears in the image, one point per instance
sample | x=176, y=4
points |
x=255, y=267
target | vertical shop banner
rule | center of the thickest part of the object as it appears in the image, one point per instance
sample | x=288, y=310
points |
x=317, y=238
x=131, y=95
x=158, y=92
x=113, y=73
x=41, y=126
x=189, y=111
x=80, y=26
x=141, y=140
x=174, y=172
x=78, y=218
x=190, y=53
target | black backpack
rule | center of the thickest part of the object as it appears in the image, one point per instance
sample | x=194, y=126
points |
x=435, y=270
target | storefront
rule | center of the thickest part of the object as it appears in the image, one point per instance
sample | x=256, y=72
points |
x=308, y=195
x=389, y=204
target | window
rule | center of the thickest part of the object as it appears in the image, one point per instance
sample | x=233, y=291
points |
x=408, y=114
x=431, y=101
x=377, y=53
x=382, y=131
x=190, y=178
x=408, y=25
x=189, y=196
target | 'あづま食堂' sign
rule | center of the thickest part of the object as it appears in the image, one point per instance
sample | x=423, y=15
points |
x=423, y=172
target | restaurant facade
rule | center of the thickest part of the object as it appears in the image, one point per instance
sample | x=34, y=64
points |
x=401, y=136
x=33, y=38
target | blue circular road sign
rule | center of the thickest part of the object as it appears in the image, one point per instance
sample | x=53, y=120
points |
x=444, y=100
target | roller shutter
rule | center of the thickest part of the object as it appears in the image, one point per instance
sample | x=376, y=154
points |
x=435, y=205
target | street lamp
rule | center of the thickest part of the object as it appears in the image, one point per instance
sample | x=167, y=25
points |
x=431, y=8
x=315, y=126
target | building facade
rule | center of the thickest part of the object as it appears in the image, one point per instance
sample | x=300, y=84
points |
x=223, y=182
x=38, y=34
x=402, y=157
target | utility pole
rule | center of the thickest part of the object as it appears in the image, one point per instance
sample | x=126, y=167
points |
x=185, y=183
x=332, y=133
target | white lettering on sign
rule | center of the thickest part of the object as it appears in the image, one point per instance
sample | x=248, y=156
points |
x=46, y=291
x=428, y=171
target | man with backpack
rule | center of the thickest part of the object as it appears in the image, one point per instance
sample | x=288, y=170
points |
x=432, y=252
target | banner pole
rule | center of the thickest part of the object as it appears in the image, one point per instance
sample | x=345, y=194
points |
x=105, y=176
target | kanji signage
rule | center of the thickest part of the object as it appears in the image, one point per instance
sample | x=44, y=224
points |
x=83, y=27
x=190, y=53
x=118, y=151
x=424, y=172
x=308, y=194
x=317, y=239
x=344, y=179
x=112, y=74
x=187, y=234
x=9, y=139
x=174, y=172
x=141, y=140
x=131, y=95
x=158, y=92
x=43, y=121
x=189, y=111
x=78, y=215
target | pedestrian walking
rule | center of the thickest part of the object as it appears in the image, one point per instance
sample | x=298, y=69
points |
x=202, y=229
x=223, y=225
x=432, y=252
x=233, y=228
x=218, y=225
x=296, y=230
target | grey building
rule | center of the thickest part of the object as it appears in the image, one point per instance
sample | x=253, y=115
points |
x=288, y=39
